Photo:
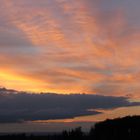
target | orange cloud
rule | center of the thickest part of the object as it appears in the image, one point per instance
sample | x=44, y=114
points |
x=73, y=47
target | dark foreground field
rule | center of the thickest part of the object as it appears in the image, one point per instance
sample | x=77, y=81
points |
x=127, y=128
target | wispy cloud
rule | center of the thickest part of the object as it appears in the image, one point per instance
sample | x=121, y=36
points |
x=70, y=46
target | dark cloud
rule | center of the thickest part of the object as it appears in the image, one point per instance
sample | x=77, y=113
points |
x=19, y=106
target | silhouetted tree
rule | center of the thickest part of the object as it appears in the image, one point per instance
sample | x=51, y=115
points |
x=127, y=128
x=120, y=128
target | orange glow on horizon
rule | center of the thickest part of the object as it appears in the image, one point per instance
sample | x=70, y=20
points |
x=106, y=114
x=13, y=80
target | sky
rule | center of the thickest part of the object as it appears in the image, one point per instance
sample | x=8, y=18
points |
x=88, y=48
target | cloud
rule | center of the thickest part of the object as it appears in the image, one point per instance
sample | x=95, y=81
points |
x=21, y=106
x=73, y=46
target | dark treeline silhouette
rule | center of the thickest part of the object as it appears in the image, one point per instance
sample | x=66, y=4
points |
x=127, y=128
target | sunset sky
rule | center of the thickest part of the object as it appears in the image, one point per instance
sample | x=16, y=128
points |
x=70, y=47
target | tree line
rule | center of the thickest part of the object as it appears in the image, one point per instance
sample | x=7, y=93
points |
x=127, y=128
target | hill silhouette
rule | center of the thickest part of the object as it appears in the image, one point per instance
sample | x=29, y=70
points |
x=127, y=128
x=117, y=129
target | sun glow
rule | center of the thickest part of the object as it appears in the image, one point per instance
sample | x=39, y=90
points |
x=13, y=80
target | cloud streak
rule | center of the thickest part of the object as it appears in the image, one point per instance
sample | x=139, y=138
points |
x=21, y=106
